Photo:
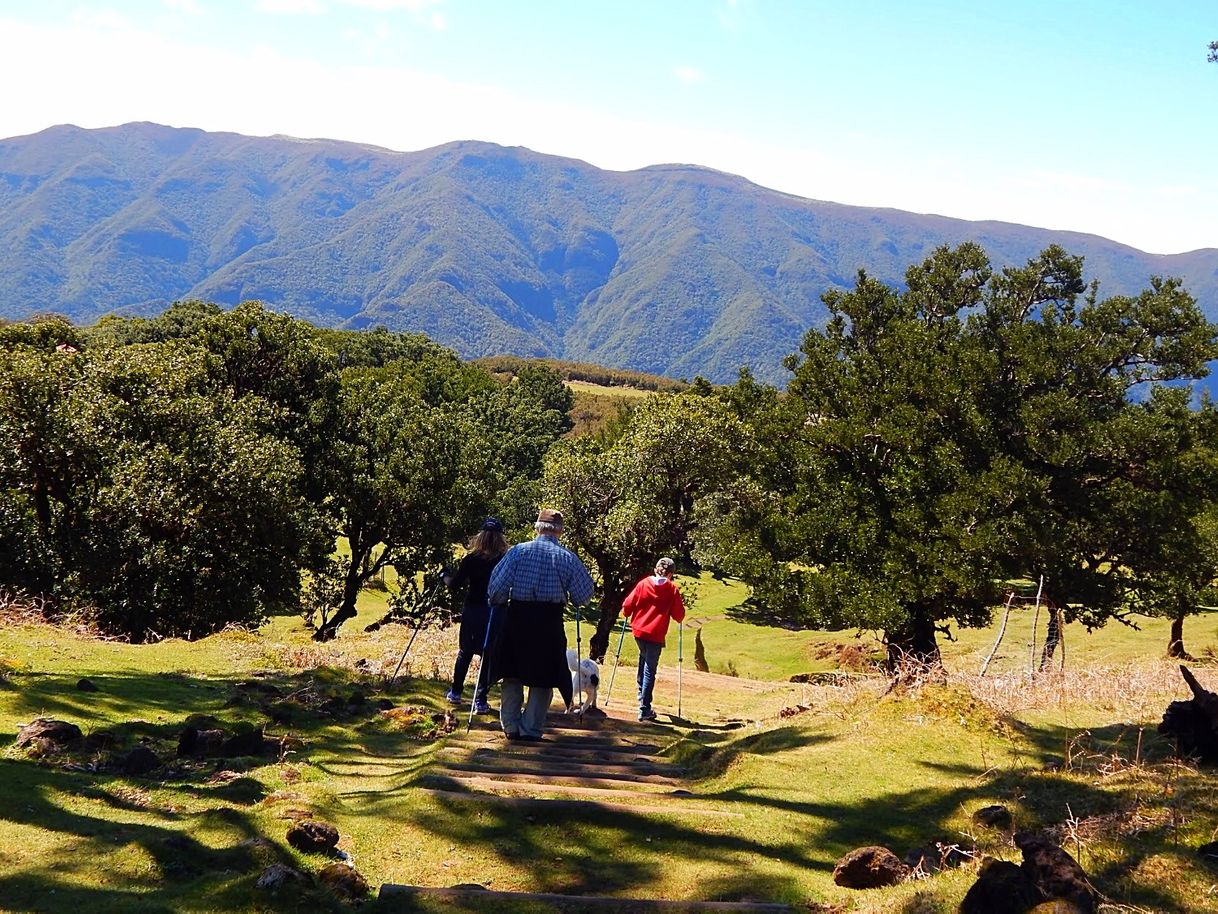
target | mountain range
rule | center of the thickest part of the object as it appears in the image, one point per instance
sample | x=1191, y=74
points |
x=672, y=269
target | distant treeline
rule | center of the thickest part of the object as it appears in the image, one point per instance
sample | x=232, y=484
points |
x=584, y=371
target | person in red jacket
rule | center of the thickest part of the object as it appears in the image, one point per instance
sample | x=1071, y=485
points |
x=649, y=607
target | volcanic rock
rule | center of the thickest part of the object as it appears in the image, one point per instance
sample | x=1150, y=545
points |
x=344, y=881
x=869, y=868
x=1001, y=888
x=55, y=733
x=998, y=817
x=1054, y=871
x=313, y=837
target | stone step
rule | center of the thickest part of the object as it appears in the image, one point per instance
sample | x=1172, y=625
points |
x=478, y=898
x=557, y=741
x=583, y=806
x=475, y=782
x=562, y=757
x=479, y=776
x=639, y=772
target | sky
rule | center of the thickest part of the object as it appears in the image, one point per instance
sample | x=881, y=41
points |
x=1088, y=115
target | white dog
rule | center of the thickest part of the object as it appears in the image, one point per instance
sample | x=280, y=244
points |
x=585, y=679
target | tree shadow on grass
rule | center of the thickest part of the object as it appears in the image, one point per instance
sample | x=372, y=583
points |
x=178, y=830
x=183, y=867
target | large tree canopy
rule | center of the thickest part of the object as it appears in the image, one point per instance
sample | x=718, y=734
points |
x=135, y=486
x=973, y=427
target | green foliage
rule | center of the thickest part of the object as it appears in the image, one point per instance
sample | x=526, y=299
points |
x=629, y=499
x=137, y=488
x=937, y=441
x=181, y=472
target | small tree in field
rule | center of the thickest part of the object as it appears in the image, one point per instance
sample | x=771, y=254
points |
x=630, y=499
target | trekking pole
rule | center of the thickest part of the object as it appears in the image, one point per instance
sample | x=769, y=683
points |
x=616, y=660
x=579, y=679
x=486, y=640
x=418, y=626
x=413, y=635
x=680, y=664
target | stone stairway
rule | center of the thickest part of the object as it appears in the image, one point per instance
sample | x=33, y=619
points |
x=602, y=763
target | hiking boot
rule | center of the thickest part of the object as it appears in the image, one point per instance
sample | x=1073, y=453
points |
x=452, y=697
x=482, y=708
x=647, y=715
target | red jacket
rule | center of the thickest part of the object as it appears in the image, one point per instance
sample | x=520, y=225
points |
x=649, y=607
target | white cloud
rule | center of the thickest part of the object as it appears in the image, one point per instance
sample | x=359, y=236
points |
x=688, y=75
x=290, y=7
x=384, y=6
x=189, y=7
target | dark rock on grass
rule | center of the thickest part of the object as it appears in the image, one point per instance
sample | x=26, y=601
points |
x=139, y=761
x=313, y=837
x=869, y=868
x=56, y=734
x=384, y=704
x=344, y=881
x=248, y=742
x=1209, y=853
x=1001, y=888
x=998, y=817
x=279, y=877
x=85, y=685
x=193, y=741
x=1054, y=871
x=99, y=741
x=1193, y=724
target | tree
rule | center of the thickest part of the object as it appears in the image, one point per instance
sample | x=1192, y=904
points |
x=1212, y=57
x=424, y=448
x=630, y=499
x=393, y=467
x=971, y=428
x=153, y=498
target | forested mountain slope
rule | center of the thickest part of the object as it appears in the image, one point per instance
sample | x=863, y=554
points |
x=672, y=269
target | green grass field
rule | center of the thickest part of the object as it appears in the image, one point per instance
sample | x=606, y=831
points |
x=814, y=770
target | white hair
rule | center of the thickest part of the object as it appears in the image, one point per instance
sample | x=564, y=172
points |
x=547, y=528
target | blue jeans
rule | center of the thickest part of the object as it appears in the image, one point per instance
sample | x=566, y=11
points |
x=533, y=719
x=649, y=662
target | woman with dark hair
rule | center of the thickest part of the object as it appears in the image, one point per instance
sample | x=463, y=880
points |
x=486, y=548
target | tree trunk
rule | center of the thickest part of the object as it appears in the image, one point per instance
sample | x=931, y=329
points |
x=1175, y=644
x=353, y=583
x=610, y=611
x=913, y=649
x=1053, y=637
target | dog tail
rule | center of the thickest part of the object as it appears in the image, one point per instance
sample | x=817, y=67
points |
x=572, y=659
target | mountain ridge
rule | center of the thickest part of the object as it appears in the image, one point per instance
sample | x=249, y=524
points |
x=674, y=269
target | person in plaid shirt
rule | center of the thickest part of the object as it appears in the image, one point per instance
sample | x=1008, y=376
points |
x=529, y=588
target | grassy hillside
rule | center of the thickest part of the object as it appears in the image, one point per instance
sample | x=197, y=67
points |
x=804, y=772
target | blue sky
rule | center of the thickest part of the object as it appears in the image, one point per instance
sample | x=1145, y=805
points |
x=1091, y=116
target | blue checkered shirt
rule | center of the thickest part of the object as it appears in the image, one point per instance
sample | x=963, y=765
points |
x=540, y=571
